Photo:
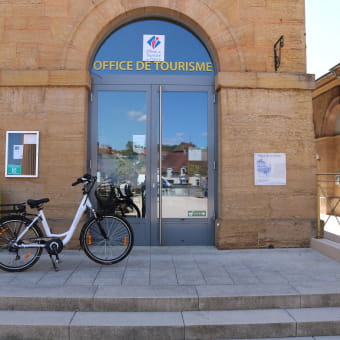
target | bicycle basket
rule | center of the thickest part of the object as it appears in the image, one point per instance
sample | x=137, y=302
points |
x=106, y=195
x=125, y=190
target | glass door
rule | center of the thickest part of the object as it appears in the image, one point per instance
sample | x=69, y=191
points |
x=119, y=153
x=185, y=162
x=157, y=141
x=152, y=129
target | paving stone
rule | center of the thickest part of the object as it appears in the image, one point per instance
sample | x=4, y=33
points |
x=141, y=326
x=238, y=324
x=34, y=325
x=317, y=321
x=136, y=299
x=225, y=297
x=47, y=298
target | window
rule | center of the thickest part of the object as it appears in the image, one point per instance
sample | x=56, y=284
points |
x=152, y=47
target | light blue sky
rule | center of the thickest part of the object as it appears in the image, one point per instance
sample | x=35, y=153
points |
x=322, y=35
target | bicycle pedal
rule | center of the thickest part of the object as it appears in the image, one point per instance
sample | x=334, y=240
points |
x=57, y=259
x=55, y=262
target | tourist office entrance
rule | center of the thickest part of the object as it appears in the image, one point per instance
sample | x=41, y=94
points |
x=152, y=125
x=203, y=108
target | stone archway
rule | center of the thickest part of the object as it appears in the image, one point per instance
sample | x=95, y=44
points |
x=200, y=15
x=330, y=117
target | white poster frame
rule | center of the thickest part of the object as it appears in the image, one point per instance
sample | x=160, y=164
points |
x=12, y=153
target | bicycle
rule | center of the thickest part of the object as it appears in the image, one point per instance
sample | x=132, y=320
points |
x=105, y=239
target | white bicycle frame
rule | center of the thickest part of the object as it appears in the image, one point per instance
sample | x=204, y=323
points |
x=83, y=206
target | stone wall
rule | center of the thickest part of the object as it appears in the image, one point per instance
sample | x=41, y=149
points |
x=59, y=35
x=58, y=113
x=266, y=120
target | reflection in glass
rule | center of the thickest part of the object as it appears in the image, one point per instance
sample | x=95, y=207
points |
x=184, y=155
x=121, y=147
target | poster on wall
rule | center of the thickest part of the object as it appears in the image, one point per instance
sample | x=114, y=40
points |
x=270, y=168
x=22, y=150
x=153, y=47
x=18, y=151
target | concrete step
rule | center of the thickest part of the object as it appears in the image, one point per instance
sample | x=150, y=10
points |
x=170, y=298
x=187, y=325
x=331, y=236
x=327, y=247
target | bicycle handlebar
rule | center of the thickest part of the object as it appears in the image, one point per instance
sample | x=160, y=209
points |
x=86, y=178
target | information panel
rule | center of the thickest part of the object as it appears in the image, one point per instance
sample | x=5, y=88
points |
x=270, y=168
x=22, y=154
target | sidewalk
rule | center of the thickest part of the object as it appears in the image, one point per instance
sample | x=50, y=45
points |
x=185, y=266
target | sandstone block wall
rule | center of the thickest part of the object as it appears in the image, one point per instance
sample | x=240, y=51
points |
x=265, y=120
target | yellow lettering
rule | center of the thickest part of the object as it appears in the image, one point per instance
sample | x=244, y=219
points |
x=173, y=66
x=121, y=67
x=129, y=65
x=139, y=65
x=209, y=67
x=147, y=66
x=181, y=66
x=97, y=65
x=164, y=66
x=112, y=64
x=157, y=64
x=200, y=66
x=105, y=64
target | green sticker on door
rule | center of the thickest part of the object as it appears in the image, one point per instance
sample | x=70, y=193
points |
x=197, y=213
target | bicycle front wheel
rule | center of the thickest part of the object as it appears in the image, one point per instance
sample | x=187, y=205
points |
x=15, y=258
x=107, y=240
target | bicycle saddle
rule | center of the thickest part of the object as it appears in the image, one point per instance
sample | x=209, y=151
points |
x=36, y=203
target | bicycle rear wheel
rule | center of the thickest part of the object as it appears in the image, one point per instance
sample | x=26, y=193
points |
x=16, y=259
x=110, y=249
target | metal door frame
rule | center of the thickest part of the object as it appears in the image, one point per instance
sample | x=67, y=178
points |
x=149, y=227
x=172, y=232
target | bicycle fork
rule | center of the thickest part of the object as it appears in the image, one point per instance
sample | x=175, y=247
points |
x=102, y=231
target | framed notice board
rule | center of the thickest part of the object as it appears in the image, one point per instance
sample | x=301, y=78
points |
x=22, y=151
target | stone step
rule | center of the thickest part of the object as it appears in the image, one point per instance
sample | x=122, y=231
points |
x=327, y=247
x=331, y=236
x=169, y=298
x=186, y=325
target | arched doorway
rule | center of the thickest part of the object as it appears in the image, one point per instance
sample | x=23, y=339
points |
x=153, y=125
